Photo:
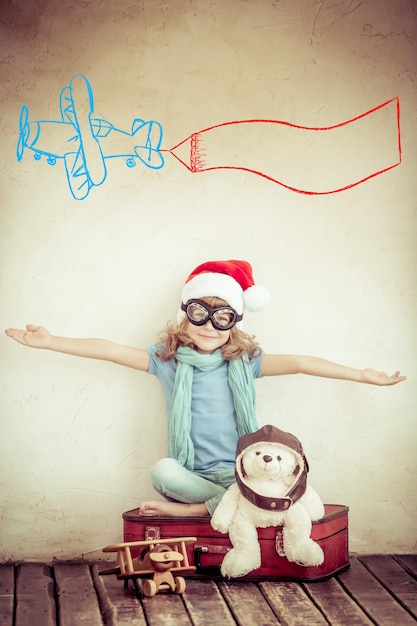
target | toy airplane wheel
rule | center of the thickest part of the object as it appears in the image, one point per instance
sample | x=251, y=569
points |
x=180, y=584
x=149, y=588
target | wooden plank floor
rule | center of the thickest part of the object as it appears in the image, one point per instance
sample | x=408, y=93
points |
x=378, y=590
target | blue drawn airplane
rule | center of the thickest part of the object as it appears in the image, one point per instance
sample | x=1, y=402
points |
x=85, y=142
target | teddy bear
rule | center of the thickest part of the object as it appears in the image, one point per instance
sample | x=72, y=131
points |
x=270, y=490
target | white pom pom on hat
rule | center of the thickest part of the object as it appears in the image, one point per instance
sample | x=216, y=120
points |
x=231, y=281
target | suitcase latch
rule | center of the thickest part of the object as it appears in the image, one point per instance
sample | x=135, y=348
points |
x=152, y=533
x=279, y=543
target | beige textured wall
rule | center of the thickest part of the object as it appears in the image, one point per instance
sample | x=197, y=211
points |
x=78, y=437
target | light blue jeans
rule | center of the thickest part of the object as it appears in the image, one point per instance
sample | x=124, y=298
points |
x=175, y=482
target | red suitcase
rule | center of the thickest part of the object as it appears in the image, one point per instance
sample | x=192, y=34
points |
x=331, y=532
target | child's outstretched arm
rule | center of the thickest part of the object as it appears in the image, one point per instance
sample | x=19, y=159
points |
x=280, y=364
x=39, y=337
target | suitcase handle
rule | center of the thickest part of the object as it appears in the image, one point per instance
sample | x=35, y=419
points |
x=208, y=570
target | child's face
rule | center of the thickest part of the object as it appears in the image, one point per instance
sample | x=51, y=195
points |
x=206, y=338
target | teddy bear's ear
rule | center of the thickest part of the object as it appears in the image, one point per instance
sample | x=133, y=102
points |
x=297, y=469
x=242, y=469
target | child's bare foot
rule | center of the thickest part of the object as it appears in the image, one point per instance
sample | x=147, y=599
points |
x=173, y=509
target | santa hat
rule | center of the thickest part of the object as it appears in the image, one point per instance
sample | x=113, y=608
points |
x=231, y=281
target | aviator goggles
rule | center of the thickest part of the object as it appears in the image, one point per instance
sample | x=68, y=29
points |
x=199, y=312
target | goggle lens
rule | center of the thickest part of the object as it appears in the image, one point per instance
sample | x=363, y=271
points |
x=222, y=318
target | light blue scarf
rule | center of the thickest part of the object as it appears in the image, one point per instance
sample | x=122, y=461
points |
x=243, y=390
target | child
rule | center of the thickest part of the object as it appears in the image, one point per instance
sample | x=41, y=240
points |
x=206, y=365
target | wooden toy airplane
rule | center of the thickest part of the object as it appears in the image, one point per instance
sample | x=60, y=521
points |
x=159, y=562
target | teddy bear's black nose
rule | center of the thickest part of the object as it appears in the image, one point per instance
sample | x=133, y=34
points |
x=267, y=458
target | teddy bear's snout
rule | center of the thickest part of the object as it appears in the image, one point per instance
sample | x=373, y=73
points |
x=263, y=462
x=268, y=458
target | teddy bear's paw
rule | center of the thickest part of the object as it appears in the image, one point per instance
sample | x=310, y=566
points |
x=216, y=524
x=222, y=517
x=307, y=554
x=238, y=563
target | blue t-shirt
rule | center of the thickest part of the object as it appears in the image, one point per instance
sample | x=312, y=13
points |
x=213, y=428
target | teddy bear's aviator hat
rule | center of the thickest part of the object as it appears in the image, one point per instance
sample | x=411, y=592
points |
x=272, y=434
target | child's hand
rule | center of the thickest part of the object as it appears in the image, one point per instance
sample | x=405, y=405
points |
x=32, y=336
x=380, y=378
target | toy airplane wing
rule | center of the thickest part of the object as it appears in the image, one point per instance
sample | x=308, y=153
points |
x=148, y=542
x=86, y=167
x=78, y=177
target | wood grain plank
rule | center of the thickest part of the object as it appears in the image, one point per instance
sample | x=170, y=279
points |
x=408, y=562
x=336, y=604
x=77, y=598
x=6, y=594
x=395, y=578
x=372, y=597
x=206, y=605
x=119, y=605
x=167, y=609
x=247, y=604
x=291, y=604
x=35, y=600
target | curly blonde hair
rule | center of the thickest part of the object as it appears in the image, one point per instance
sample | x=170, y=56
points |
x=238, y=345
